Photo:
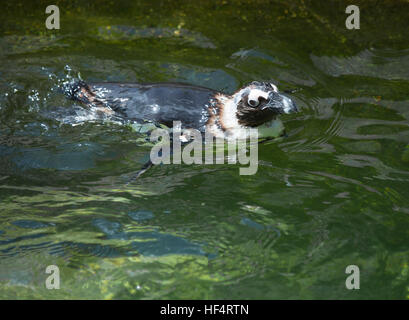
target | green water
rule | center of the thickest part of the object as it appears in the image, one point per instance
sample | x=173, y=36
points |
x=333, y=193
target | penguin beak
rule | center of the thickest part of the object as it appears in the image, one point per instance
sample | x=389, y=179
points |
x=280, y=103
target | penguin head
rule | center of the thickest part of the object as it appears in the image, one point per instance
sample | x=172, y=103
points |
x=260, y=102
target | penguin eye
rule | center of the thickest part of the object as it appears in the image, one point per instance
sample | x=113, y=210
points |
x=253, y=103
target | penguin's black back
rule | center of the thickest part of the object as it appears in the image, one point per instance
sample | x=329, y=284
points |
x=159, y=102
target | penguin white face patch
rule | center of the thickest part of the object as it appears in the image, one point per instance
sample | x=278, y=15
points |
x=254, y=96
x=274, y=87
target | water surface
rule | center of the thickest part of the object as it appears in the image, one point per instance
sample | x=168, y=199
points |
x=333, y=193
